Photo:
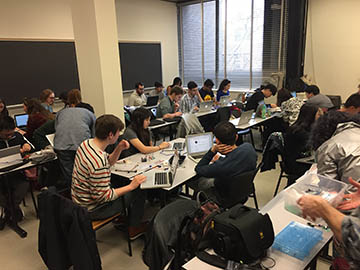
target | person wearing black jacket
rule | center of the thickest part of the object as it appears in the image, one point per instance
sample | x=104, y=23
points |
x=19, y=185
x=259, y=96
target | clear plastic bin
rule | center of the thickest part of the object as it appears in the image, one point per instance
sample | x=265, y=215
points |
x=314, y=184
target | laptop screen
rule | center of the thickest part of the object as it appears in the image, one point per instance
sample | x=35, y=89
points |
x=21, y=120
x=199, y=143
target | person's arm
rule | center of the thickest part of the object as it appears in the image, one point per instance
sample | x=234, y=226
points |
x=316, y=206
x=135, y=182
x=199, y=96
x=25, y=148
x=148, y=149
x=352, y=200
x=114, y=156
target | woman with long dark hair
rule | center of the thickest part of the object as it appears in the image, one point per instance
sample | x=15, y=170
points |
x=176, y=82
x=3, y=110
x=297, y=141
x=38, y=116
x=138, y=134
x=223, y=89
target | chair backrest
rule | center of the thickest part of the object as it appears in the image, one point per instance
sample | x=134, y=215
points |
x=189, y=124
x=336, y=100
x=274, y=146
x=237, y=189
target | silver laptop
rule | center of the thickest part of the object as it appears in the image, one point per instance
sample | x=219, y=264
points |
x=224, y=101
x=178, y=146
x=206, y=106
x=161, y=178
x=10, y=156
x=198, y=145
x=245, y=117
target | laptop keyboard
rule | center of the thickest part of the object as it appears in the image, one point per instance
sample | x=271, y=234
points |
x=161, y=178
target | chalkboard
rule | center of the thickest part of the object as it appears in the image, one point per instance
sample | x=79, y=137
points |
x=140, y=62
x=28, y=67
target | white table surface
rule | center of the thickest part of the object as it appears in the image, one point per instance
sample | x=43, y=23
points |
x=280, y=219
x=184, y=172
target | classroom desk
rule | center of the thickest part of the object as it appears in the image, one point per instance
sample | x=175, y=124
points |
x=4, y=177
x=253, y=122
x=280, y=219
x=184, y=172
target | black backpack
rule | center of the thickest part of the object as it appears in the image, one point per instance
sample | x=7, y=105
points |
x=242, y=234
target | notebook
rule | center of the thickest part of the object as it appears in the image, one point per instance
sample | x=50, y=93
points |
x=245, y=117
x=151, y=101
x=224, y=101
x=10, y=158
x=21, y=120
x=197, y=145
x=205, y=106
x=161, y=178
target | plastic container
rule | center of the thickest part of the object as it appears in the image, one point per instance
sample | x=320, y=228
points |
x=314, y=184
x=297, y=240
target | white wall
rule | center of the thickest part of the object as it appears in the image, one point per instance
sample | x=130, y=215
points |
x=332, y=53
x=138, y=20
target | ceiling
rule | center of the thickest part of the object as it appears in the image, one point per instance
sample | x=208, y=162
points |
x=177, y=1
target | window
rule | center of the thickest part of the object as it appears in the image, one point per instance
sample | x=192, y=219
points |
x=242, y=40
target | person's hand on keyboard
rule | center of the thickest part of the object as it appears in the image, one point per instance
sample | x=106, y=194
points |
x=164, y=145
x=137, y=180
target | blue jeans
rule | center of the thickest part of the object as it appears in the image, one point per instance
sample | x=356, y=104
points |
x=66, y=160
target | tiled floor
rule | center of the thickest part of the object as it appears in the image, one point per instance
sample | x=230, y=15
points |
x=20, y=254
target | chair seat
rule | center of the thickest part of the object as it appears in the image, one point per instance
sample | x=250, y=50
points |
x=97, y=224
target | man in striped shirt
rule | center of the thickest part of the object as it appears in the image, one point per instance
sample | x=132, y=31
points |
x=91, y=187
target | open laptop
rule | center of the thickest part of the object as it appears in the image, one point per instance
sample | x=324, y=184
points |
x=10, y=158
x=151, y=101
x=178, y=146
x=224, y=101
x=206, y=106
x=21, y=120
x=153, y=120
x=161, y=178
x=245, y=117
x=198, y=144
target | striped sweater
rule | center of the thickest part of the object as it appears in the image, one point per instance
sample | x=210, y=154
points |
x=91, y=176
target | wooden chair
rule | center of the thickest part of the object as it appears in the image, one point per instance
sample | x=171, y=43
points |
x=98, y=224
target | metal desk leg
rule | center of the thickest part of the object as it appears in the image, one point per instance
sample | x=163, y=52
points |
x=12, y=223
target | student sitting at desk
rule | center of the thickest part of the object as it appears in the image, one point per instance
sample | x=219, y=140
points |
x=191, y=100
x=168, y=107
x=91, y=187
x=137, y=98
x=47, y=98
x=176, y=82
x=290, y=106
x=3, y=110
x=314, y=97
x=38, y=116
x=206, y=91
x=297, y=142
x=223, y=90
x=158, y=91
x=352, y=104
x=19, y=185
x=215, y=169
x=335, y=138
x=259, y=96
x=139, y=135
